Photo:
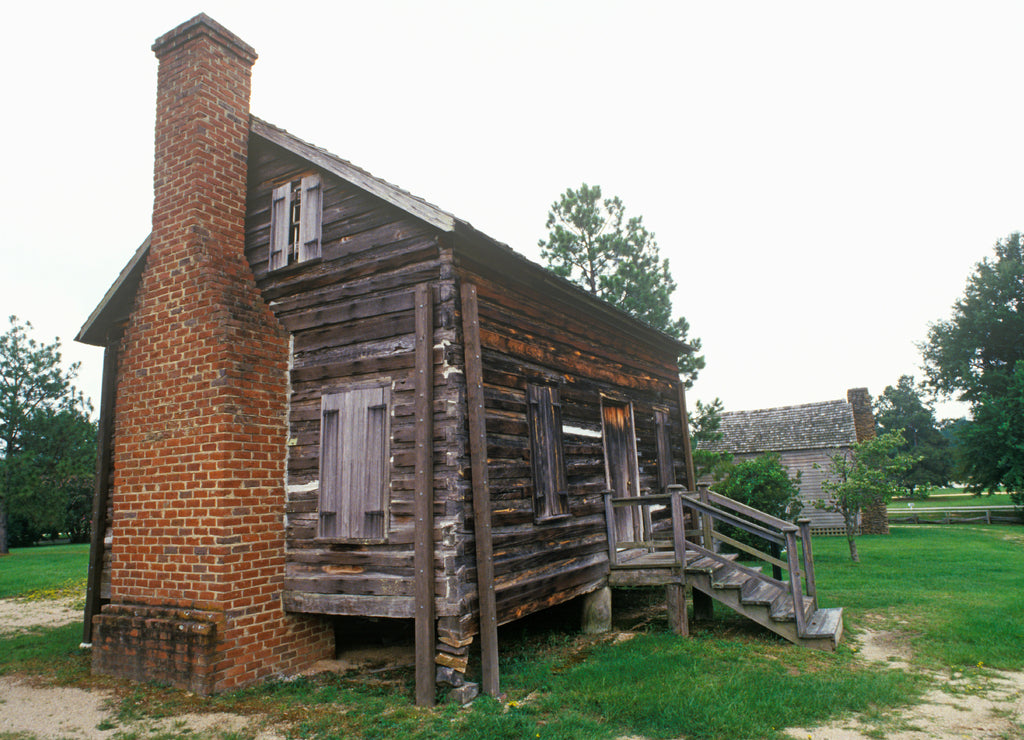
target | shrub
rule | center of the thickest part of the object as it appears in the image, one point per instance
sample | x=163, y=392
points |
x=763, y=483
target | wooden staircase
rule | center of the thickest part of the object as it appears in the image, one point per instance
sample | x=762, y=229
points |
x=787, y=606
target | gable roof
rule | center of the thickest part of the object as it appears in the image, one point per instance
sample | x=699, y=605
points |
x=359, y=177
x=810, y=426
x=466, y=238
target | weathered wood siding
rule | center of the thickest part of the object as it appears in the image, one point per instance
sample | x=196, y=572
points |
x=811, y=477
x=529, y=335
x=351, y=318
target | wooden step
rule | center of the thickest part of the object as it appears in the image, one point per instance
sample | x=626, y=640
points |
x=729, y=578
x=708, y=564
x=825, y=623
x=759, y=592
x=782, y=607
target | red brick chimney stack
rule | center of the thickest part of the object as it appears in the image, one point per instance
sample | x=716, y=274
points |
x=200, y=421
x=863, y=414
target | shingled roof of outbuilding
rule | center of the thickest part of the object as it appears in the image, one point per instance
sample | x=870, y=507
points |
x=809, y=426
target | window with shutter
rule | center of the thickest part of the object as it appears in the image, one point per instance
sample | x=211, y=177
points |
x=296, y=213
x=550, y=483
x=354, y=455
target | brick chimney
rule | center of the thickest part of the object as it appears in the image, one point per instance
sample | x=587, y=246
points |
x=863, y=415
x=197, y=558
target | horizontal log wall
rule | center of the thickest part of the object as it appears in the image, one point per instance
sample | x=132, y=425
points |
x=529, y=335
x=351, y=318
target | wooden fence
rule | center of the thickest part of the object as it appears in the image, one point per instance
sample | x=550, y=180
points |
x=957, y=515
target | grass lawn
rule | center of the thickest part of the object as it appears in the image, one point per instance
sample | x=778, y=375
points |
x=952, y=593
x=46, y=570
x=951, y=497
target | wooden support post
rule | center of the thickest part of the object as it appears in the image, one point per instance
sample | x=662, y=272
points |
x=707, y=525
x=675, y=593
x=805, y=536
x=104, y=438
x=481, y=491
x=691, y=476
x=793, y=566
x=675, y=603
x=423, y=506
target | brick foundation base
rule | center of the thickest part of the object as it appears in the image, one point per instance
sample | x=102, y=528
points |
x=146, y=643
x=874, y=518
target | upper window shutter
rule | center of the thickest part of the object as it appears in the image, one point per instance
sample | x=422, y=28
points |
x=310, y=210
x=279, y=226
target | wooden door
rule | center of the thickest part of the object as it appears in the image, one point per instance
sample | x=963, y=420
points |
x=621, y=469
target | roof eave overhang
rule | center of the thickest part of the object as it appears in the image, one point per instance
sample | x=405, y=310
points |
x=116, y=301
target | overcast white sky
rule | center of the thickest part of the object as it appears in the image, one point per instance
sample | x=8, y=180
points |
x=823, y=176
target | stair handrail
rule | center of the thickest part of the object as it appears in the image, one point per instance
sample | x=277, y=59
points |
x=713, y=507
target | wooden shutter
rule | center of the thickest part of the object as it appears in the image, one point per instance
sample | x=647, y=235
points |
x=310, y=214
x=354, y=458
x=550, y=482
x=279, y=222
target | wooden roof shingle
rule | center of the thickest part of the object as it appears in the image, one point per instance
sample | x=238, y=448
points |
x=809, y=426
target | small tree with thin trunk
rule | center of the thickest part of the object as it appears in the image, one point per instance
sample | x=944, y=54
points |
x=872, y=471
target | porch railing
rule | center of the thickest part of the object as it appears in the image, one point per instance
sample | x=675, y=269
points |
x=697, y=518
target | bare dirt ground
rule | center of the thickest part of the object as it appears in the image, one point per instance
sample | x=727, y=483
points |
x=28, y=712
x=986, y=705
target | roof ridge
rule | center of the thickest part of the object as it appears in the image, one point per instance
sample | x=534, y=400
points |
x=787, y=408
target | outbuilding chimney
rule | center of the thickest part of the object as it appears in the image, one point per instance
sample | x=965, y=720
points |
x=197, y=558
x=874, y=517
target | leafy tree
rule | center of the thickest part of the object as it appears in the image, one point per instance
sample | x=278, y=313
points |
x=871, y=472
x=592, y=243
x=32, y=382
x=975, y=351
x=901, y=407
x=705, y=433
x=53, y=477
x=977, y=354
x=993, y=444
x=763, y=483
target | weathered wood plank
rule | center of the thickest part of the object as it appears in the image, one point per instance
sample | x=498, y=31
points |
x=481, y=493
x=426, y=688
x=98, y=560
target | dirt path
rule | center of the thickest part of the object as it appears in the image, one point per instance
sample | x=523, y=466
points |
x=18, y=616
x=988, y=705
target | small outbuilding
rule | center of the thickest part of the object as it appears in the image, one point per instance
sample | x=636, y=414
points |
x=805, y=437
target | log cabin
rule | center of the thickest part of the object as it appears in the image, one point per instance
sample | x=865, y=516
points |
x=325, y=396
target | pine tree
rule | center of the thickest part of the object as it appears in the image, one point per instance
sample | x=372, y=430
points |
x=592, y=243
